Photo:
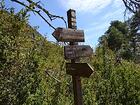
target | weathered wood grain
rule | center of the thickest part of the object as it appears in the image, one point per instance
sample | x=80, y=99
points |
x=79, y=69
x=68, y=35
x=76, y=51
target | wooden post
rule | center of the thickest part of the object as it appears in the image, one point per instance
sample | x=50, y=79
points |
x=71, y=15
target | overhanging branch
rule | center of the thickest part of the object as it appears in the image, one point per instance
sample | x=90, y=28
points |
x=132, y=5
x=35, y=5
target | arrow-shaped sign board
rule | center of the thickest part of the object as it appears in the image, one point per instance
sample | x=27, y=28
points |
x=68, y=35
x=76, y=51
x=79, y=69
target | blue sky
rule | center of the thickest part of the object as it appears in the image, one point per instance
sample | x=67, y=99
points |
x=93, y=16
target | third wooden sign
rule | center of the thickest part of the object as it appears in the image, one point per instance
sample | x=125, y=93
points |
x=79, y=69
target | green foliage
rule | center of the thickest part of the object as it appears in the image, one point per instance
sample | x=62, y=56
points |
x=123, y=38
x=32, y=70
x=115, y=83
x=24, y=57
x=134, y=24
x=19, y=68
x=116, y=35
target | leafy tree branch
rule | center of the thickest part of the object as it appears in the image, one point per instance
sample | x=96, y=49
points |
x=132, y=5
x=35, y=7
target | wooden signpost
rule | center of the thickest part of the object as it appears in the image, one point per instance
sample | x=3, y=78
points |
x=79, y=69
x=74, y=52
x=68, y=35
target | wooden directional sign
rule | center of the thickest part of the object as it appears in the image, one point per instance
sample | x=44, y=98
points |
x=79, y=69
x=68, y=35
x=76, y=51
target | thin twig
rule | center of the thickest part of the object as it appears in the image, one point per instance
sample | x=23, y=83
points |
x=51, y=16
x=132, y=5
x=47, y=72
x=52, y=77
x=38, y=12
x=45, y=20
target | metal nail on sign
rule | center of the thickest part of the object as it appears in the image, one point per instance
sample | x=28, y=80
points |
x=68, y=35
x=76, y=51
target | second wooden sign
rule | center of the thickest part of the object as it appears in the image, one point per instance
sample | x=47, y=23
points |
x=76, y=51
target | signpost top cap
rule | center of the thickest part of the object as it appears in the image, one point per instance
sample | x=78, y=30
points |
x=71, y=10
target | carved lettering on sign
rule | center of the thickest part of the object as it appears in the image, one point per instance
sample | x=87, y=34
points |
x=76, y=51
x=68, y=35
x=79, y=69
